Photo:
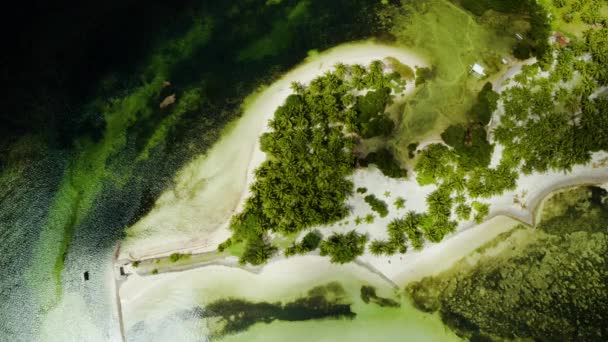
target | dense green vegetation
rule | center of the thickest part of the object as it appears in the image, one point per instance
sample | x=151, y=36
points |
x=470, y=144
x=463, y=212
x=482, y=110
x=302, y=183
x=343, y=248
x=551, y=287
x=399, y=203
x=481, y=211
x=404, y=70
x=548, y=126
x=309, y=243
x=460, y=170
x=436, y=223
x=423, y=74
x=433, y=164
x=386, y=162
x=411, y=150
x=400, y=231
x=369, y=119
x=257, y=250
x=377, y=205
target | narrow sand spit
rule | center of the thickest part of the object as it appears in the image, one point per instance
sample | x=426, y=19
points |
x=193, y=215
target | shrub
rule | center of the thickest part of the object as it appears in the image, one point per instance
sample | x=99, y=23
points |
x=361, y=190
x=404, y=70
x=424, y=74
x=343, y=248
x=470, y=144
x=257, y=251
x=411, y=224
x=222, y=246
x=309, y=243
x=521, y=50
x=386, y=162
x=434, y=164
x=463, y=212
x=378, y=247
x=377, y=205
x=411, y=150
x=481, y=211
x=487, y=101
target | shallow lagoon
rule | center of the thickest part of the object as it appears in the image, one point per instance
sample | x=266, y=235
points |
x=168, y=304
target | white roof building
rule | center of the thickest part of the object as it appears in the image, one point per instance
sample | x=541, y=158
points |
x=478, y=70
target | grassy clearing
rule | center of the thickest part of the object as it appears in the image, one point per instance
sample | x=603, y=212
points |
x=452, y=40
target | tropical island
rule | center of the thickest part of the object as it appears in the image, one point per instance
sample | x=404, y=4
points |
x=434, y=170
x=338, y=178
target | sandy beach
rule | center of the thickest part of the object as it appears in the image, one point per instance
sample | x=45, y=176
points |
x=193, y=216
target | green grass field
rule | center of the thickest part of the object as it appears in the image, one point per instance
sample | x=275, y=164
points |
x=452, y=40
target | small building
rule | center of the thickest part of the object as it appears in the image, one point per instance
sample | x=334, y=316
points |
x=504, y=60
x=519, y=36
x=478, y=70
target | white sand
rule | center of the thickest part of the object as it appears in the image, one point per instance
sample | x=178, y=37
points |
x=193, y=216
